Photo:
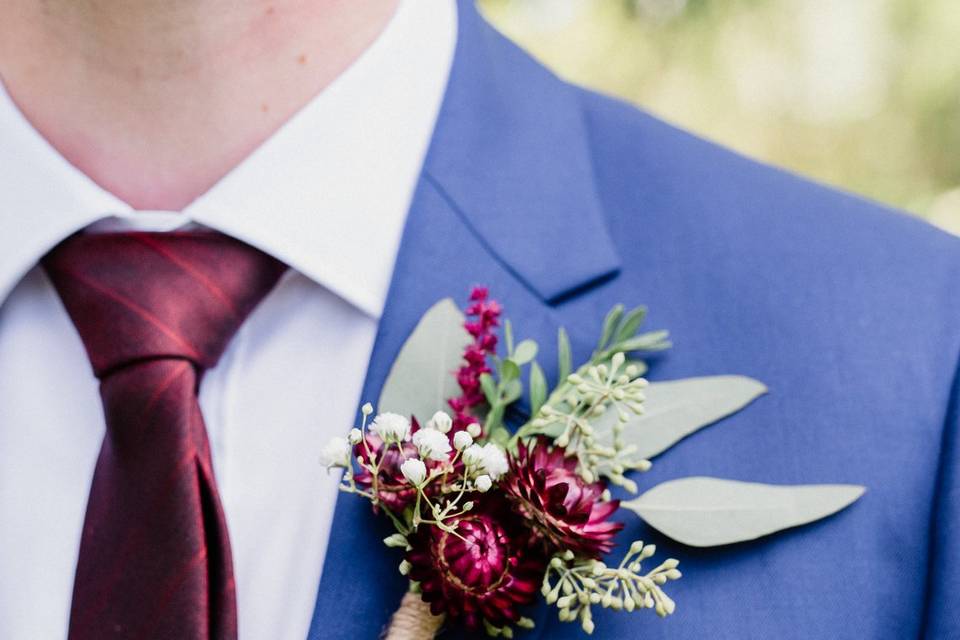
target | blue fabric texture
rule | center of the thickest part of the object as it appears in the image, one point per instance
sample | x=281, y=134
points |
x=565, y=202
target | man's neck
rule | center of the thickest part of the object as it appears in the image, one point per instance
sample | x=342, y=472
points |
x=156, y=100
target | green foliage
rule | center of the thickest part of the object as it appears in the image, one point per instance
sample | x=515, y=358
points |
x=708, y=512
x=575, y=585
x=419, y=381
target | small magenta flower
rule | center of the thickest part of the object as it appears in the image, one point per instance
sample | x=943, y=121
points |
x=484, y=318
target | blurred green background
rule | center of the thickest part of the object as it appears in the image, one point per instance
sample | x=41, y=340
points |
x=861, y=94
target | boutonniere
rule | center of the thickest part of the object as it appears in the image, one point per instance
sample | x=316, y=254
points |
x=487, y=520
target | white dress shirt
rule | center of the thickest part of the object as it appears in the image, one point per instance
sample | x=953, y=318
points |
x=327, y=194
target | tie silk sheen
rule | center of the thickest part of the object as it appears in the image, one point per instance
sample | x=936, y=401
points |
x=154, y=311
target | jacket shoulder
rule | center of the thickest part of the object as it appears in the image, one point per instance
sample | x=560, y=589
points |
x=651, y=172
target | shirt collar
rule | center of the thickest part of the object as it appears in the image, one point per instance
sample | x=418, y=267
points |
x=328, y=193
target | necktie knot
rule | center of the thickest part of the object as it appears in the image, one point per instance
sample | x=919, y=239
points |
x=143, y=296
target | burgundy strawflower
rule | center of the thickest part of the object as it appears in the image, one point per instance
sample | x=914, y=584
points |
x=486, y=571
x=483, y=318
x=393, y=490
x=565, y=511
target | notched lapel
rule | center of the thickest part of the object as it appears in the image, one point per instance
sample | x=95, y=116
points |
x=512, y=155
x=439, y=256
x=506, y=185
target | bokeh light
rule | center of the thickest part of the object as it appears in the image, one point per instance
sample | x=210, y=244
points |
x=860, y=94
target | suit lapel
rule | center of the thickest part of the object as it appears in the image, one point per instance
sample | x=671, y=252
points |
x=505, y=184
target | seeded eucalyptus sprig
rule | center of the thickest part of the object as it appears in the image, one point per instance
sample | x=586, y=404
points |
x=601, y=389
x=575, y=585
x=619, y=335
x=607, y=386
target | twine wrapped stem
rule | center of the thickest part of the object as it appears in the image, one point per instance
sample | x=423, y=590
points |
x=413, y=620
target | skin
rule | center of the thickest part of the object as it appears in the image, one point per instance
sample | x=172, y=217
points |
x=156, y=100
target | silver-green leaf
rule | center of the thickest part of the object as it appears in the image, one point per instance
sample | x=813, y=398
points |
x=525, y=352
x=421, y=380
x=564, y=358
x=538, y=388
x=708, y=512
x=677, y=408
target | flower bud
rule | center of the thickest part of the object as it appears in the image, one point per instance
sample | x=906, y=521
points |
x=462, y=440
x=474, y=430
x=441, y=422
x=414, y=471
x=355, y=436
x=336, y=453
x=432, y=445
x=391, y=427
x=395, y=540
x=367, y=409
x=484, y=483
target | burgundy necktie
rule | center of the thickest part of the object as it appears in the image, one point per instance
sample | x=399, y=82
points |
x=154, y=311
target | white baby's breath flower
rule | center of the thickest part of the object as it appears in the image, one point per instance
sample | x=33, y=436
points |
x=355, y=436
x=432, y=444
x=474, y=429
x=336, y=453
x=473, y=456
x=391, y=427
x=489, y=459
x=462, y=440
x=414, y=471
x=494, y=460
x=441, y=422
x=483, y=483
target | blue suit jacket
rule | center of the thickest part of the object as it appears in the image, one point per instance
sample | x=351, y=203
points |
x=566, y=202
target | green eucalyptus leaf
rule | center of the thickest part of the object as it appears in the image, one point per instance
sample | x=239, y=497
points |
x=677, y=408
x=552, y=430
x=610, y=324
x=499, y=435
x=631, y=322
x=489, y=388
x=707, y=512
x=652, y=341
x=525, y=352
x=512, y=392
x=538, y=388
x=509, y=370
x=508, y=336
x=564, y=358
x=420, y=380
x=495, y=418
